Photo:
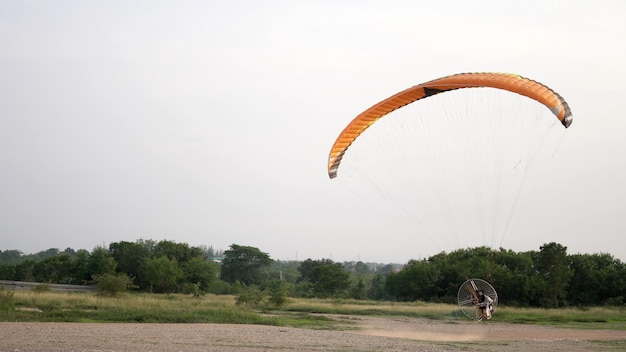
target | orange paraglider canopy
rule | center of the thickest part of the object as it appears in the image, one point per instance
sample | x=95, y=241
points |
x=505, y=81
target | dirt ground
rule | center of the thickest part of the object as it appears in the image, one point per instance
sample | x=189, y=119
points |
x=364, y=334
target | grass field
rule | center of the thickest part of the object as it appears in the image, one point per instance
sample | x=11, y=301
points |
x=27, y=306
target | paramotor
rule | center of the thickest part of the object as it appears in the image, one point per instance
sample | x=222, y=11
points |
x=477, y=299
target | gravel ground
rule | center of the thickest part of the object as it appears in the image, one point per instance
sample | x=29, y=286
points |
x=365, y=334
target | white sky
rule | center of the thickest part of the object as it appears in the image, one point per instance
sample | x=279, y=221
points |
x=210, y=122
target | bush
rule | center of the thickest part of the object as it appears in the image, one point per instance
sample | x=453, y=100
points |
x=278, y=293
x=615, y=301
x=250, y=296
x=219, y=287
x=7, y=302
x=112, y=284
x=193, y=289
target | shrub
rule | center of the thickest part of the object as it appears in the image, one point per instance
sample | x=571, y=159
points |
x=250, y=296
x=7, y=302
x=278, y=293
x=615, y=301
x=112, y=284
x=219, y=287
x=193, y=289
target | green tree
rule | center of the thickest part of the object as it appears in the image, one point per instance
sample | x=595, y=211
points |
x=361, y=268
x=552, y=265
x=512, y=276
x=597, y=279
x=278, y=293
x=359, y=289
x=377, y=287
x=48, y=253
x=200, y=272
x=416, y=281
x=101, y=262
x=7, y=271
x=179, y=251
x=387, y=269
x=326, y=277
x=54, y=269
x=79, y=271
x=10, y=257
x=131, y=258
x=24, y=270
x=162, y=274
x=245, y=264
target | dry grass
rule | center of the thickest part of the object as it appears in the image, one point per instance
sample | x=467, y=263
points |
x=178, y=308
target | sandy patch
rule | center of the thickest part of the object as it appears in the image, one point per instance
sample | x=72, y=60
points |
x=366, y=334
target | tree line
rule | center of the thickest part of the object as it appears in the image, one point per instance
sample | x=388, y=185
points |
x=548, y=277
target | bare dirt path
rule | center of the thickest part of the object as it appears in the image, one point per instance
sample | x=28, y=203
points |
x=494, y=336
x=366, y=334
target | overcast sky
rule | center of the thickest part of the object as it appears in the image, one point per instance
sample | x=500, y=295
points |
x=210, y=122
